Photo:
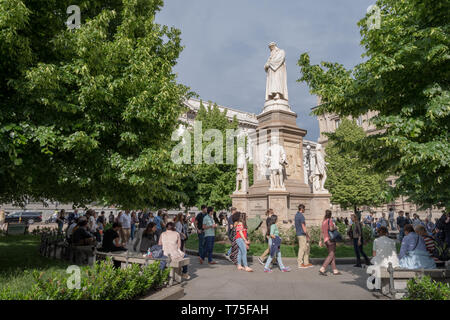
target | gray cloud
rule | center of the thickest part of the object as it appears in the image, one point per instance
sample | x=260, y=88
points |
x=226, y=46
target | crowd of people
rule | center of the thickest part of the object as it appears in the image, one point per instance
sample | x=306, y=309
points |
x=143, y=231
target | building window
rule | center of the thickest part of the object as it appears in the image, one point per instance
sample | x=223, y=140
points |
x=337, y=123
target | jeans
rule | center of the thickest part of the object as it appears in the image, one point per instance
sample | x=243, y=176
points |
x=208, y=249
x=201, y=244
x=269, y=258
x=242, y=253
x=133, y=228
x=229, y=252
x=401, y=234
x=392, y=224
x=359, y=250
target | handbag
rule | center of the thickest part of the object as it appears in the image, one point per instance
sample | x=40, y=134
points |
x=334, y=235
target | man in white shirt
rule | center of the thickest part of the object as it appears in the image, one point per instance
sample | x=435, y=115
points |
x=125, y=221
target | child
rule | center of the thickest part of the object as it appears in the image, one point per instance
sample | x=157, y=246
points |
x=274, y=236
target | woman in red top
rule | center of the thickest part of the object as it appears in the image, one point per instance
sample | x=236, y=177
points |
x=328, y=225
x=242, y=242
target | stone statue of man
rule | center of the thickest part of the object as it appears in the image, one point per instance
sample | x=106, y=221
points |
x=275, y=67
x=320, y=172
x=241, y=172
x=276, y=164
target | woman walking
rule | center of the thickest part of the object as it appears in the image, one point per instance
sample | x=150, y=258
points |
x=180, y=228
x=134, y=220
x=356, y=234
x=274, y=245
x=328, y=225
x=242, y=242
x=234, y=246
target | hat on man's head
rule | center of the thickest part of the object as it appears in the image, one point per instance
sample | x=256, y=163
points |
x=272, y=44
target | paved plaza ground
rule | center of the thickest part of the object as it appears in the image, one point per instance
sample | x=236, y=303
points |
x=223, y=281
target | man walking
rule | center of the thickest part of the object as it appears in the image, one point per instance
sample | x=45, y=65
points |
x=125, y=221
x=209, y=232
x=391, y=217
x=401, y=223
x=303, y=238
x=269, y=214
x=200, y=232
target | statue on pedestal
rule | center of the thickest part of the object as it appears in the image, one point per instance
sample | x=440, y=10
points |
x=276, y=164
x=275, y=67
x=319, y=175
x=241, y=172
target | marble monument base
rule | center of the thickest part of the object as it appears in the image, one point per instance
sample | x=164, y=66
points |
x=285, y=205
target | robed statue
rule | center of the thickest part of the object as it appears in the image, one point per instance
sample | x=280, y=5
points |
x=275, y=67
x=319, y=175
x=241, y=171
x=276, y=163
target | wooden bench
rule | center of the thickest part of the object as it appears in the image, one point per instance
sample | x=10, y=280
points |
x=126, y=258
x=16, y=228
x=394, y=280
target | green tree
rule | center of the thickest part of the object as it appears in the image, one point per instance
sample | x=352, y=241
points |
x=351, y=182
x=212, y=183
x=87, y=115
x=405, y=79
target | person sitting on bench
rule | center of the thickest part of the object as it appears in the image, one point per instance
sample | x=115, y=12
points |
x=413, y=253
x=171, y=243
x=111, y=239
x=82, y=237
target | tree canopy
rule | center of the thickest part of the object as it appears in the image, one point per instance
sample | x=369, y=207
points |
x=405, y=79
x=87, y=114
x=350, y=181
x=212, y=183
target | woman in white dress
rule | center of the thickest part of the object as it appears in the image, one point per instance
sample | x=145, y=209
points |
x=384, y=251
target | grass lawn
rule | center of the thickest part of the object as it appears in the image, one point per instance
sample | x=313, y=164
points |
x=19, y=255
x=256, y=249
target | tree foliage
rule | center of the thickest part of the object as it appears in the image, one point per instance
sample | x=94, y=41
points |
x=87, y=115
x=405, y=79
x=351, y=182
x=212, y=183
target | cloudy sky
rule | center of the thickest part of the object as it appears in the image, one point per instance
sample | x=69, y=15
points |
x=226, y=46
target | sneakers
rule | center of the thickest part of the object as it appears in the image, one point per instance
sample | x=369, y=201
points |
x=286, y=269
x=212, y=262
x=185, y=276
x=268, y=270
x=260, y=260
x=305, y=266
x=228, y=258
x=200, y=260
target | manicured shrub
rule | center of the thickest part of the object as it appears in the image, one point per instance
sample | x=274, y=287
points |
x=256, y=236
x=427, y=289
x=99, y=282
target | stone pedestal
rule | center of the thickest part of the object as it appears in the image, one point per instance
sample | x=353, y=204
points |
x=278, y=118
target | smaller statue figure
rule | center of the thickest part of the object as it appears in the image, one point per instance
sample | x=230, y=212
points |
x=319, y=175
x=241, y=172
x=276, y=164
